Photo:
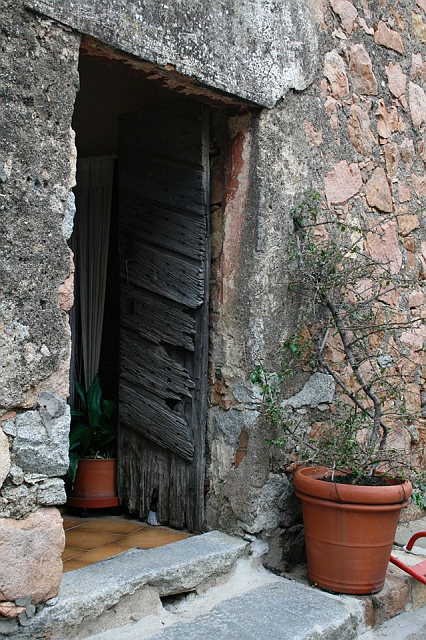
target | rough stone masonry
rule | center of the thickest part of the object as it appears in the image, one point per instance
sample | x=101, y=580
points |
x=356, y=135
x=336, y=102
x=40, y=52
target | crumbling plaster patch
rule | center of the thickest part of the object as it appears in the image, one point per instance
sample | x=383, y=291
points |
x=318, y=390
x=281, y=166
x=40, y=80
x=258, y=508
x=222, y=457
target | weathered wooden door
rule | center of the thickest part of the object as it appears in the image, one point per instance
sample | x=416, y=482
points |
x=164, y=273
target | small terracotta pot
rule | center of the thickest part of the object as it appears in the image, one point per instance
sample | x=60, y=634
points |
x=349, y=530
x=95, y=484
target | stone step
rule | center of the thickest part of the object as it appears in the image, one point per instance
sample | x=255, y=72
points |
x=89, y=593
x=250, y=603
x=283, y=610
x=400, y=593
x=225, y=592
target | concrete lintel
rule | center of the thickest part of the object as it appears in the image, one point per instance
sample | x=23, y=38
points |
x=256, y=50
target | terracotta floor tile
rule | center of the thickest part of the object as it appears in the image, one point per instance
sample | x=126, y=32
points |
x=69, y=523
x=85, y=539
x=71, y=552
x=150, y=538
x=89, y=540
x=107, y=551
x=72, y=565
x=114, y=525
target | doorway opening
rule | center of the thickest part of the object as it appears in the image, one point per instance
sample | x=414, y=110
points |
x=106, y=91
x=142, y=254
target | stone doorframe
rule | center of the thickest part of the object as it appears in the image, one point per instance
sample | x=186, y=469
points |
x=37, y=175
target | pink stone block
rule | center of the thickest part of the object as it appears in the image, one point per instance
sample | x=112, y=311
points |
x=388, y=38
x=30, y=556
x=342, y=183
x=382, y=245
x=377, y=191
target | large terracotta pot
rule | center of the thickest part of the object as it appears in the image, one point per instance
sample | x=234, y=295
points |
x=349, y=530
x=95, y=484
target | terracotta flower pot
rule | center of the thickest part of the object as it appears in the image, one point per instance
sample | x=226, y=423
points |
x=95, y=484
x=349, y=530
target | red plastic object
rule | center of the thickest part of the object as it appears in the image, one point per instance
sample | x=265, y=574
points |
x=418, y=571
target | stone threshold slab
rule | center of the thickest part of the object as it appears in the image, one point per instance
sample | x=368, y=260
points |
x=175, y=568
x=285, y=610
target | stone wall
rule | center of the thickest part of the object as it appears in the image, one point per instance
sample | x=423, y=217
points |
x=356, y=135
x=37, y=173
x=37, y=157
x=353, y=129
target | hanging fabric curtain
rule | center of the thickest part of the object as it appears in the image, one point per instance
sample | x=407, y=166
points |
x=89, y=243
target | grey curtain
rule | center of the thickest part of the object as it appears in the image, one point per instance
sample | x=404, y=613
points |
x=89, y=243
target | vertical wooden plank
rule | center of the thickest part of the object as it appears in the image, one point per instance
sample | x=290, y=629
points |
x=201, y=361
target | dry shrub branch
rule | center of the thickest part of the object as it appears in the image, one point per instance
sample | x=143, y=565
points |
x=349, y=331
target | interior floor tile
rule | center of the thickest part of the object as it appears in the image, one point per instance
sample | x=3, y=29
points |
x=85, y=539
x=114, y=525
x=152, y=537
x=101, y=553
x=71, y=552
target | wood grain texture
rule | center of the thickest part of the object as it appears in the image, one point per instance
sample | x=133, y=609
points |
x=155, y=320
x=145, y=467
x=165, y=227
x=152, y=417
x=164, y=259
x=151, y=368
x=167, y=274
x=144, y=175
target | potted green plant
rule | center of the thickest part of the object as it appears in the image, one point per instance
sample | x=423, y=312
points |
x=354, y=328
x=92, y=470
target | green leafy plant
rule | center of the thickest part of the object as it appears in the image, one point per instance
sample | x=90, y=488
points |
x=350, y=328
x=93, y=433
x=419, y=490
